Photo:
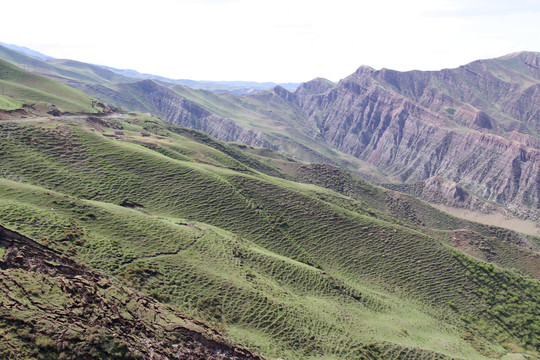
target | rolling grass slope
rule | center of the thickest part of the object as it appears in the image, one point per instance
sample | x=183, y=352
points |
x=289, y=269
x=18, y=87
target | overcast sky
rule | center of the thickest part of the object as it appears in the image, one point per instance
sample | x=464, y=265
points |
x=272, y=40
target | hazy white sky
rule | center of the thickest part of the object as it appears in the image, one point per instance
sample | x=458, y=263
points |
x=272, y=40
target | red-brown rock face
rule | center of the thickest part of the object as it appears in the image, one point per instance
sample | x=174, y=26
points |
x=476, y=125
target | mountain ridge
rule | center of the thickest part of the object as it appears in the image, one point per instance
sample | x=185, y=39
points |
x=373, y=118
x=394, y=102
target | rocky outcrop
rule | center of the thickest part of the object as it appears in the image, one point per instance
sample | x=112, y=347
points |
x=46, y=296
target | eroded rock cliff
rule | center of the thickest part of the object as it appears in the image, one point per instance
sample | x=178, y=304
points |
x=476, y=125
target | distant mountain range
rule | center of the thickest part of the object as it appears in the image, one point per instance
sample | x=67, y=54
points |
x=235, y=87
x=27, y=51
x=477, y=126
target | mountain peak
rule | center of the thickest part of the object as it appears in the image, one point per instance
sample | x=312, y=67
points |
x=282, y=92
x=364, y=69
x=314, y=87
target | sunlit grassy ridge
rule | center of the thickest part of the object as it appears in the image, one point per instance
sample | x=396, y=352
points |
x=292, y=270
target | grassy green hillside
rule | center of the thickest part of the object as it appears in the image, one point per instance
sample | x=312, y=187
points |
x=40, y=94
x=289, y=269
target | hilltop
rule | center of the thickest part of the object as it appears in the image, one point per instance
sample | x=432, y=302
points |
x=76, y=72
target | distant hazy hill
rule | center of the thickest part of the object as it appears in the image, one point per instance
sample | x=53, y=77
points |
x=27, y=51
x=67, y=71
x=236, y=87
x=75, y=71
